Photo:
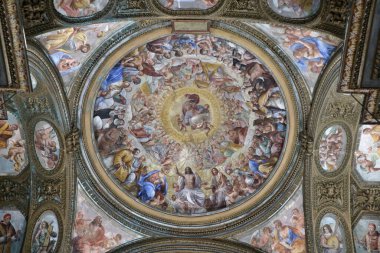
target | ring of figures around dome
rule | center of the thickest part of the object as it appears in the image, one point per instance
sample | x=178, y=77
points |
x=189, y=125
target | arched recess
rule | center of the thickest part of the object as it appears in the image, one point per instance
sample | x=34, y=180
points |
x=49, y=189
x=328, y=189
x=221, y=226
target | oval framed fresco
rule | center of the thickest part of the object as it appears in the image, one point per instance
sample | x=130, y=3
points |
x=13, y=157
x=45, y=235
x=47, y=145
x=295, y=9
x=79, y=8
x=331, y=234
x=182, y=136
x=331, y=147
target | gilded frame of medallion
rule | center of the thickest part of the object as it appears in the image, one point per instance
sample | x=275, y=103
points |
x=340, y=219
x=218, y=7
x=32, y=222
x=31, y=132
x=224, y=29
x=13, y=47
x=346, y=157
x=296, y=21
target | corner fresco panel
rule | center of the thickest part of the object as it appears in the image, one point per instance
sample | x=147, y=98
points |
x=309, y=50
x=367, y=235
x=332, y=148
x=45, y=233
x=96, y=231
x=69, y=48
x=294, y=8
x=367, y=154
x=46, y=144
x=188, y=4
x=13, y=158
x=79, y=8
x=331, y=235
x=284, y=232
x=190, y=124
x=12, y=231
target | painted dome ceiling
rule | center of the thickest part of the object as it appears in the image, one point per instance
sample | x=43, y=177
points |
x=174, y=112
x=185, y=119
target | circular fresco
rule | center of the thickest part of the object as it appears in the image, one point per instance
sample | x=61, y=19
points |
x=190, y=124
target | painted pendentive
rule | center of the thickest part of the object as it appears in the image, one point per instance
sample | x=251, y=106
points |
x=95, y=230
x=294, y=8
x=46, y=144
x=79, y=8
x=367, y=154
x=309, y=50
x=190, y=124
x=188, y=4
x=13, y=158
x=367, y=235
x=332, y=148
x=69, y=48
x=12, y=231
x=45, y=233
x=331, y=235
x=284, y=231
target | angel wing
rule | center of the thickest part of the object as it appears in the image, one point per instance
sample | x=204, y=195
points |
x=181, y=182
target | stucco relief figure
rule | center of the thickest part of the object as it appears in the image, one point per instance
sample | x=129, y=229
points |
x=79, y=8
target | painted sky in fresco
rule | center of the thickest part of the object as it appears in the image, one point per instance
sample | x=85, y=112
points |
x=19, y=224
x=365, y=229
x=264, y=236
x=332, y=148
x=79, y=8
x=70, y=48
x=13, y=156
x=108, y=236
x=331, y=234
x=309, y=50
x=294, y=8
x=367, y=154
x=188, y=4
x=190, y=108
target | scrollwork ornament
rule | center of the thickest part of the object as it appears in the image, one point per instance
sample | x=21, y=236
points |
x=72, y=140
x=365, y=199
x=329, y=192
x=306, y=142
x=12, y=191
x=49, y=190
x=340, y=110
x=37, y=104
